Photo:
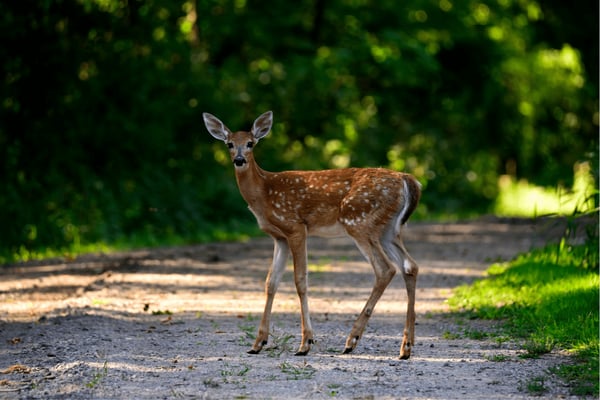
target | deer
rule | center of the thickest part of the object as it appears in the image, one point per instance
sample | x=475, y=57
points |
x=370, y=205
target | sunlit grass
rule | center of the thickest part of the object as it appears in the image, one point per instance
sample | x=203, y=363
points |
x=68, y=253
x=522, y=199
x=550, y=299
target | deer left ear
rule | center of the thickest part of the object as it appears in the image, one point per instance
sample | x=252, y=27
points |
x=215, y=127
x=262, y=125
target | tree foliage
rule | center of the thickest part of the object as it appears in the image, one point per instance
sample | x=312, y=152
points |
x=101, y=132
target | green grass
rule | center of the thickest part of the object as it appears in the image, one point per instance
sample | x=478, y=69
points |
x=549, y=298
x=215, y=233
x=98, y=376
x=296, y=371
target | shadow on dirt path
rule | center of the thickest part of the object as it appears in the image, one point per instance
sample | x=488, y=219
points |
x=176, y=323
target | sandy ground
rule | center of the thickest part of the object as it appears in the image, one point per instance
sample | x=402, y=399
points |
x=177, y=322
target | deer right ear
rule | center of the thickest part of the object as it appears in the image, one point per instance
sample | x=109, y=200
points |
x=215, y=127
x=262, y=125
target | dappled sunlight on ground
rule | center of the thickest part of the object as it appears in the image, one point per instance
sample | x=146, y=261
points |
x=228, y=277
x=178, y=322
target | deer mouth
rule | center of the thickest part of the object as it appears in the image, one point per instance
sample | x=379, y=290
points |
x=239, y=161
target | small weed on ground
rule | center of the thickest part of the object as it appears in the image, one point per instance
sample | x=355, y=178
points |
x=98, y=376
x=297, y=372
x=535, y=386
x=234, y=374
x=280, y=343
x=498, y=358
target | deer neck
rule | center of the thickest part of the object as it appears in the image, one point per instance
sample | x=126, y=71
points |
x=251, y=182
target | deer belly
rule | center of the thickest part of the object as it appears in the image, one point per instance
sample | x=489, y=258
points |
x=334, y=230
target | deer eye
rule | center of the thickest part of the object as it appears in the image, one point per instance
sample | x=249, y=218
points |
x=250, y=144
x=230, y=145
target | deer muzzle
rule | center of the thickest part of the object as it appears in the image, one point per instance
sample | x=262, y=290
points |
x=238, y=161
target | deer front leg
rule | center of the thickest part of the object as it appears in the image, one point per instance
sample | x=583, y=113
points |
x=298, y=247
x=280, y=256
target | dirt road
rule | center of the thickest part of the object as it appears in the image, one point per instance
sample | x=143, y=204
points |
x=177, y=322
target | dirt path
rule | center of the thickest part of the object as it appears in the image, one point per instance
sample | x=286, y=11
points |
x=177, y=322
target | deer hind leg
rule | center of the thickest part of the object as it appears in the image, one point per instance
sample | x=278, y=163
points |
x=280, y=256
x=298, y=247
x=410, y=270
x=384, y=272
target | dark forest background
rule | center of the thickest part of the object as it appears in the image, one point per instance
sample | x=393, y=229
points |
x=101, y=134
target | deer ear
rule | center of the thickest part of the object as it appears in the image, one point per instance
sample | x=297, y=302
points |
x=262, y=125
x=215, y=127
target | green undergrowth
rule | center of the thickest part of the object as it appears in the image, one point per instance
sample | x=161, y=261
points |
x=214, y=233
x=549, y=298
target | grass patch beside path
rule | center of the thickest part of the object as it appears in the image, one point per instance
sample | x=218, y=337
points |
x=232, y=231
x=549, y=297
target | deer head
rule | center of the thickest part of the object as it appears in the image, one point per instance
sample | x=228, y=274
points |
x=240, y=143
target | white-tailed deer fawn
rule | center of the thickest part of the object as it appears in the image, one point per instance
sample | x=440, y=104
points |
x=369, y=204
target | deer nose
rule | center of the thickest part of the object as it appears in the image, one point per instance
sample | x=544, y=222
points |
x=239, y=161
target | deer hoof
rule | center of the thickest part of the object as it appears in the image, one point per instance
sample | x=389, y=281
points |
x=304, y=348
x=405, y=351
x=257, y=347
x=351, y=344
